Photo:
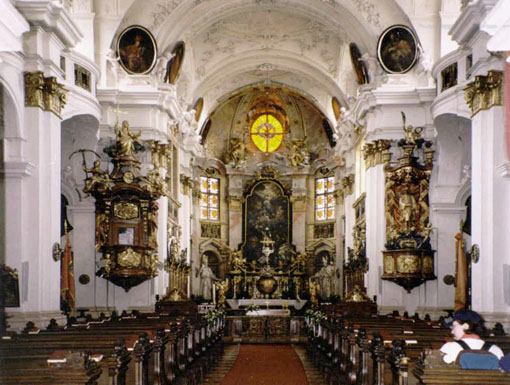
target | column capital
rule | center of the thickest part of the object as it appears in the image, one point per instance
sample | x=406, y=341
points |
x=484, y=92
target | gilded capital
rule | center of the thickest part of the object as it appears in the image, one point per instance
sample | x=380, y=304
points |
x=484, y=92
x=34, y=84
x=348, y=185
x=186, y=184
x=235, y=203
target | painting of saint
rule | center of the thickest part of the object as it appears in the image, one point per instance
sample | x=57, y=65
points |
x=266, y=217
x=397, y=49
x=137, y=50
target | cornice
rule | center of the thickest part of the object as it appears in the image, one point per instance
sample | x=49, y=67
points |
x=16, y=169
x=51, y=16
x=12, y=26
x=469, y=20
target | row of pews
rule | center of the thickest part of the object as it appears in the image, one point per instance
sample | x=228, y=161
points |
x=134, y=349
x=390, y=350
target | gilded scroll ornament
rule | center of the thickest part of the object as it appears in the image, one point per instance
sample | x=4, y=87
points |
x=129, y=258
x=34, y=84
x=484, y=92
x=348, y=184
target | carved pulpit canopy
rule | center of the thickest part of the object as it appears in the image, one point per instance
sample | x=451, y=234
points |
x=126, y=211
x=408, y=258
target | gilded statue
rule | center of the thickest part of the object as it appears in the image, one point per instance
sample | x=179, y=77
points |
x=237, y=262
x=101, y=230
x=238, y=152
x=126, y=139
x=298, y=154
x=407, y=205
x=314, y=289
x=222, y=287
x=99, y=177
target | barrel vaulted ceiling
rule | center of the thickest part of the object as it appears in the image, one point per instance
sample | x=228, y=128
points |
x=230, y=44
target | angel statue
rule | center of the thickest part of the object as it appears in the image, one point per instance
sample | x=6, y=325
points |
x=237, y=261
x=238, y=153
x=298, y=154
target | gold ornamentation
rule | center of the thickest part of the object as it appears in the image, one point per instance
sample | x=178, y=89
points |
x=129, y=258
x=125, y=141
x=407, y=264
x=125, y=210
x=34, y=84
x=428, y=265
x=128, y=177
x=324, y=230
x=238, y=152
x=389, y=264
x=45, y=93
x=186, y=184
x=210, y=230
x=222, y=287
x=99, y=180
x=235, y=203
x=81, y=77
x=298, y=155
x=348, y=185
x=156, y=185
x=374, y=152
x=267, y=172
x=484, y=92
x=299, y=202
x=55, y=96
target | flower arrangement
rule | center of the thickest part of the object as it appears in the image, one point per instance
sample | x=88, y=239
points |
x=315, y=316
x=252, y=307
x=213, y=315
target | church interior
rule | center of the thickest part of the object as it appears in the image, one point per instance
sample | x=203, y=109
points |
x=184, y=183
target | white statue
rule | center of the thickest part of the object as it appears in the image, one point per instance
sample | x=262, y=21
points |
x=325, y=278
x=206, y=279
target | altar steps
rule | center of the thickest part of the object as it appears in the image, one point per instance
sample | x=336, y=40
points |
x=223, y=367
x=313, y=375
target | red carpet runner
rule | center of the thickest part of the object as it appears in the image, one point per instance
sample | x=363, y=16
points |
x=266, y=365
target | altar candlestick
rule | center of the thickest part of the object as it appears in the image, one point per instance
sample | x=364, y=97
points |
x=214, y=293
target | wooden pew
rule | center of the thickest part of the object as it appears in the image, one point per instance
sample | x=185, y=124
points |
x=71, y=368
x=432, y=370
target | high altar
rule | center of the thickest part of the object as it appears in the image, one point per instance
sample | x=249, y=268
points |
x=266, y=270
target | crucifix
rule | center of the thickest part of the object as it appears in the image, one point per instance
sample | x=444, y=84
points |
x=117, y=112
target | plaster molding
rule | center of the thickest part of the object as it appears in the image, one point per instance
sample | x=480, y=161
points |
x=16, y=170
x=447, y=208
x=12, y=30
x=51, y=16
x=469, y=20
x=504, y=170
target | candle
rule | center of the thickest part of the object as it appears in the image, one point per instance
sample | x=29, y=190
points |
x=214, y=293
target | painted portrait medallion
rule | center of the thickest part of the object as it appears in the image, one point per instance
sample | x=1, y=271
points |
x=137, y=50
x=397, y=49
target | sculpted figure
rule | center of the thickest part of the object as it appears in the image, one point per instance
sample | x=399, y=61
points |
x=98, y=177
x=206, y=279
x=238, y=152
x=297, y=152
x=126, y=139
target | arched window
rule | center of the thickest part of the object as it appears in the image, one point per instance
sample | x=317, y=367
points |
x=266, y=132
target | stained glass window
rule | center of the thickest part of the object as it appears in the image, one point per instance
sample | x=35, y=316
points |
x=266, y=132
x=209, y=198
x=325, y=199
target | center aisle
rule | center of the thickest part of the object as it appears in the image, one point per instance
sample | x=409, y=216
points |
x=266, y=364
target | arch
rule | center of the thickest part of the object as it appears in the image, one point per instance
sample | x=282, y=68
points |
x=12, y=113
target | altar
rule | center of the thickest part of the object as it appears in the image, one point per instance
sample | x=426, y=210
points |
x=271, y=304
x=264, y=326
